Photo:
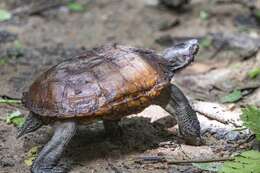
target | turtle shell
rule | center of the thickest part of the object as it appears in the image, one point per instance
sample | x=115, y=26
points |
x=105, y=82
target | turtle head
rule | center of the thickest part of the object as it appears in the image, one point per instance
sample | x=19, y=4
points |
x=181, y=55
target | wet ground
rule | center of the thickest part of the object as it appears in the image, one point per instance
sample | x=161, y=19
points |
x=34, y=43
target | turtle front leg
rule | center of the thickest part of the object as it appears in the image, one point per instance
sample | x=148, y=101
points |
x=48, y=158
x=189, y=126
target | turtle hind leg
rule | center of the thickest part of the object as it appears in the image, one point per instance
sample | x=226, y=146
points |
x=112, y=128
x=32, y=123
x=47, y=161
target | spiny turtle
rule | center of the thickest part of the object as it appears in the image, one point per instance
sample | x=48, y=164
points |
x=107, y=83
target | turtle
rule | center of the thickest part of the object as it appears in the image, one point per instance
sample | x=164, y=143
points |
x=107, y=83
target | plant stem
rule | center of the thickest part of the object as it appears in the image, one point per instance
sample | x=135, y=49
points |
x=10, y=101
x=155, y=159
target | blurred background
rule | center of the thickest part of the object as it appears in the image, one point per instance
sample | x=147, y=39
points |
x=37, y=34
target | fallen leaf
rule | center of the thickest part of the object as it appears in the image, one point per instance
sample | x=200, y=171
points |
x=76, y=7
x=251, y=119
x=31, y=155
x=15, y=118
x=10, y=101
x=209, y=166
x=234, y=96
x=3, y=61
x=206, y=42
x=204, y=15
x=257, y=14
x=246, y=162
x=254, y=73
x=18, y=44
x=4, y=15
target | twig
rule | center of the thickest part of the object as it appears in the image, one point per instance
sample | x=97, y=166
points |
x=40, y=7
x=199, y=161
x=209, y=116
x=247, y=3
x=155, y=159
x=219, y=119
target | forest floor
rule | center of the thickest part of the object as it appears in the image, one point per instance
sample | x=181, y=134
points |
x=38, y=41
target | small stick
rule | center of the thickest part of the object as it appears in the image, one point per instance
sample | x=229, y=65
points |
x=9, y=97
x=247, y=3
x=37, y=8
x=199, y=161
x=155, y=159
x=211, y=117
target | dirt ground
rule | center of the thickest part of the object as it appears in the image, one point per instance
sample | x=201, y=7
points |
x=58, y=34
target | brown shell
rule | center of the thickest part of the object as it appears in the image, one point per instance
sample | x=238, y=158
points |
x=106, y=82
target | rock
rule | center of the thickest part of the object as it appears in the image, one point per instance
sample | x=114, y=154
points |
x=219, y=112
x=151, y=2
x=233, y=136
x=166, y=25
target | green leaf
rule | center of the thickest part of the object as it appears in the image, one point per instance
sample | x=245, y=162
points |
x=251, y=119
x=232, y=97
x=246, y=162
x=31, y=155
x=4, y=15
x=251, y=154
x=15, y=118
x=206, y=42
x=18, y=44
x=10, y=101
x=204, y=15
x=254, y=73
x=3, y=61
x=208, y=166
x=76, y=7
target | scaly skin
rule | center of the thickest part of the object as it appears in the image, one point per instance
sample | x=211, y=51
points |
x=48, y=158
x=189, y=126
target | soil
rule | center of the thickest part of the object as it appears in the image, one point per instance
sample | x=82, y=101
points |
x=58, y=34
